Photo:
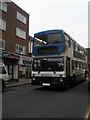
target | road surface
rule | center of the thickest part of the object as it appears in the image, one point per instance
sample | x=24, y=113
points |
x=29, y=101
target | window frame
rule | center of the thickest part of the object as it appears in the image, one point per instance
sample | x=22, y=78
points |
x=20, y=33
x=17, y=48
x=5, y=5
x=21, y=49
x=3, y=25
x=58, y=35
x=1, y=47
x=21, y=17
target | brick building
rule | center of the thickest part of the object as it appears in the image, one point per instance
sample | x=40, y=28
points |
x=14, y=27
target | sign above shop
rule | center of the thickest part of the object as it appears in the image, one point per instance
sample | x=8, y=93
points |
x=26, y=58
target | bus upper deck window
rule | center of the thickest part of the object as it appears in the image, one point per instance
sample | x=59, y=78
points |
x=55, y=38
x=72, y=44
x=67, y=41
x=76, y=47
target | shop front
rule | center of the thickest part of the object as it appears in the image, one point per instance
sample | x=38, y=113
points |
x=25, y=67
x=11, y=62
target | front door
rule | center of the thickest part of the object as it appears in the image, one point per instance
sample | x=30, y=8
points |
x=68, y=67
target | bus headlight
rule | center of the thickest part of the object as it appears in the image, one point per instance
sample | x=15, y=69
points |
x=33, y=79
x=60, y=79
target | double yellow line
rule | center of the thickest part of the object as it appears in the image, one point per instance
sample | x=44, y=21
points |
x=87, y=115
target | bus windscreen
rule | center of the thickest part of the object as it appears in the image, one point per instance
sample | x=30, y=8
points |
x=48, y=64
x=54, y=38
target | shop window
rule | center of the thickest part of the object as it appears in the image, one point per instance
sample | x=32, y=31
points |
x=15, y=72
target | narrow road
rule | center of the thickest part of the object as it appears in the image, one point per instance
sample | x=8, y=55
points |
x=29, y=101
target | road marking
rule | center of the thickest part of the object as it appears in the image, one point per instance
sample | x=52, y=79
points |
x=87, y=113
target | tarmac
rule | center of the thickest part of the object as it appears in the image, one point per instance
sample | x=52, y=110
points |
x=14, y=83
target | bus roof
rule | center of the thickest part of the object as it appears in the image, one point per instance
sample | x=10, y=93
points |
x=48, y=32
x=51, y=32
x=55, y=31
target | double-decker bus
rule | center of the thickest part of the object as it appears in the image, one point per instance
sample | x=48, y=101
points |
x=60, y=61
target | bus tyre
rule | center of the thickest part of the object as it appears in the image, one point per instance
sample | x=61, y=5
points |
x=3, y=85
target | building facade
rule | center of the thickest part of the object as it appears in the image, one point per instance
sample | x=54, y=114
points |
x=14, y=27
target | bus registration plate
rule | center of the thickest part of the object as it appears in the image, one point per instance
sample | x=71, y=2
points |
x=46, y=84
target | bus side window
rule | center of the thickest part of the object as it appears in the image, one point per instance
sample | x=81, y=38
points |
x=72, y=64
x=89, y=67
x=80, y=65
x=75, y=46
x=72, y=44
x=75, y=65
x=84, y=66
x=67, y=40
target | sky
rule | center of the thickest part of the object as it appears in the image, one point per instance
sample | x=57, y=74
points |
x=69, y=15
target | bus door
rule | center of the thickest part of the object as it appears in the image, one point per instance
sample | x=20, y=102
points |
x=68, y=67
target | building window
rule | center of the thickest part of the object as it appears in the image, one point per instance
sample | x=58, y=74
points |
x=20, y=49
x=2, y=44
x=21, y=17
x=2, y=24
x=24, y=50
x=4, y=6
x=17, y=48
x=20, y=33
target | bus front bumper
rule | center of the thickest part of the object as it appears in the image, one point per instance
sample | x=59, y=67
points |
x=48, y=81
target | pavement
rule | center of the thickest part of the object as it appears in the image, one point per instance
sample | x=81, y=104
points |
x=14, y=83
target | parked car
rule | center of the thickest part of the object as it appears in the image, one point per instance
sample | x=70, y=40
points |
x=3, y=76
